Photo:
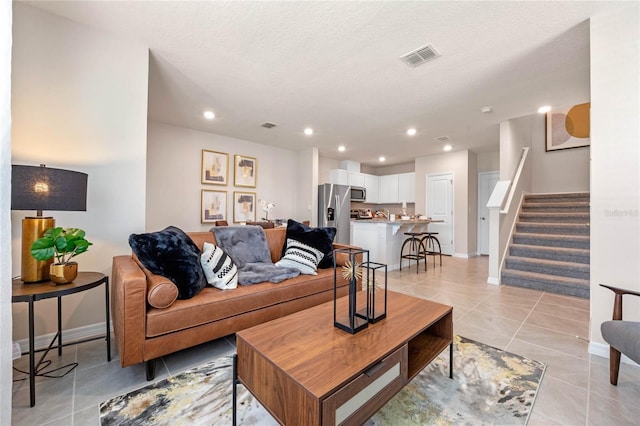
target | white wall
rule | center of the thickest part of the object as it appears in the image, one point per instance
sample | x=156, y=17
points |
x=555, y=171
x=458, y=164
x=565, y=170
x=615, y=164
x=488, y=161
x=174, y=156
x=6, y=373
x=325, y=165
x=80, y=103
x=472, y=204
x=307, y=185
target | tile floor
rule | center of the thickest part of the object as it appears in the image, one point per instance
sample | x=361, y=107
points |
x=546, y=327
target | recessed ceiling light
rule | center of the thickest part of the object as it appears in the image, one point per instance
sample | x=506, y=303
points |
x=341, y=148
x=308, y=131
x=209, y=115
x=411, y=131
x=486, y=110
x=381, y=159
x=447, y=147
x=544, y=109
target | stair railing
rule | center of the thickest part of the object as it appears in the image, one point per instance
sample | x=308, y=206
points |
x=502, y=216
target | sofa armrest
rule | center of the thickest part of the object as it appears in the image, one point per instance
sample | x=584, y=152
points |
x=129, y=308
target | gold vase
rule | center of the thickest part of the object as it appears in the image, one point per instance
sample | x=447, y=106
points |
x=63, y=273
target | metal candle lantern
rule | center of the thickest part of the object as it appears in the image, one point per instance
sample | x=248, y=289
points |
x=350, y=313
x=376, y=298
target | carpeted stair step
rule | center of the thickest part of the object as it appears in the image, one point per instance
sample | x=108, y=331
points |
x=550, y=253
x=578, y=207
x=548, y=240
x=552, y=228
x=546, y=282
x=546, y=198
x=553, y=217
x=551, y=267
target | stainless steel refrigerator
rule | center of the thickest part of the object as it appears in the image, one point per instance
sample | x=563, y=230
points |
x=334, y=209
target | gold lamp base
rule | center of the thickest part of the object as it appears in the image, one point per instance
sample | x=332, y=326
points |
x=32, y=228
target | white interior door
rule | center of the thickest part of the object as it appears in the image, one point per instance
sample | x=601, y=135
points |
x=486, y=183
x=440, y=207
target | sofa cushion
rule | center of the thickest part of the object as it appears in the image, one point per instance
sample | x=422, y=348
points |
x=301, y=256
x=218, y=267
x=172, y=254
x=318, y=238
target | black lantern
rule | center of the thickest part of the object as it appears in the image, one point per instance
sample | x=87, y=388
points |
x=374, y=276
x=350, y=313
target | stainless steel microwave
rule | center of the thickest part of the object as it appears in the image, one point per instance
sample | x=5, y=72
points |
x=358, y=193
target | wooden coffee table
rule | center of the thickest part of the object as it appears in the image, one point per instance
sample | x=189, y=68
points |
x=305, y=371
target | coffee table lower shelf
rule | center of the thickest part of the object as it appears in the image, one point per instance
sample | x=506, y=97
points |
x=319, y=375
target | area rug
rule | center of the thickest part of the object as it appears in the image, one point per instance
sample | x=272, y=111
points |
x=489, y=386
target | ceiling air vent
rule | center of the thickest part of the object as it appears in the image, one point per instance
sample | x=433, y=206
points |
x=268, y=125
x=443, y=139
x=420, y=56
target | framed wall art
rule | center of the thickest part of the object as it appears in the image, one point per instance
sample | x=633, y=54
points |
x=213, y=206
x=568, y=127
x=215, y=167
x=246, y=171
x=244, y=206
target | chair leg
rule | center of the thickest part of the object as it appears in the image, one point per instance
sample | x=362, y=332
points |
x=614, y=365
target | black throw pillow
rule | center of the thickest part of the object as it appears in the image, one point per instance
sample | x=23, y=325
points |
x=318, y=238
x=172, y=254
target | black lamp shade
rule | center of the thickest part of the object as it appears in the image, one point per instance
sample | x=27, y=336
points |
x=45, y=188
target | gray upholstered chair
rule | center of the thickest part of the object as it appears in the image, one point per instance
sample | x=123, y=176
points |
x=622, y=336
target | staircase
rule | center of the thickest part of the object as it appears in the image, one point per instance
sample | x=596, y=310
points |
x=550, y=246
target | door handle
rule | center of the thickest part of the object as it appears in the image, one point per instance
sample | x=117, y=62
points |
x=482, y=218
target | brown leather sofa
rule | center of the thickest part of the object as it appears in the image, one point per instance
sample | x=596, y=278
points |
x=145, y=333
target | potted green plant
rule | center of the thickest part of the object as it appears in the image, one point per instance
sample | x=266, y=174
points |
x=63, y=245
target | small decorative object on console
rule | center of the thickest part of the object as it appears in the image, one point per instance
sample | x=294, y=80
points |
x=353, y=316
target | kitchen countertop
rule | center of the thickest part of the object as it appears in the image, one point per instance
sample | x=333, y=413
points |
x=394, y=226
x=397, y=221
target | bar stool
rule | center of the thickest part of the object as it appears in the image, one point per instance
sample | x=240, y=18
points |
x=429, y=242
x=417, y=250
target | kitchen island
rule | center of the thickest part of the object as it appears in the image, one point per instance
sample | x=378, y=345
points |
x=383, y=238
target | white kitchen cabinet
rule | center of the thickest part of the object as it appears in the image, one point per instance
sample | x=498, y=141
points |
x=345, y=177
x=339, y=177
x=388, y=189
x=356, y=179
x=371, y=185
x=407, y=187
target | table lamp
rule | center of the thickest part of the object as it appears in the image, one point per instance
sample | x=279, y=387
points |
x=43, y=188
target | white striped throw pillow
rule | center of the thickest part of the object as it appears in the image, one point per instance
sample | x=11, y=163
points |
x=218, y=267
x=301, y=257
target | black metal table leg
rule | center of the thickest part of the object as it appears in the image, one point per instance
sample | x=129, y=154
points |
x=235, y=394
x=59, y=325
x=108, y=315
x=32, y=357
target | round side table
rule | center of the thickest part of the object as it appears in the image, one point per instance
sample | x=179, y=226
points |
x=32, y=292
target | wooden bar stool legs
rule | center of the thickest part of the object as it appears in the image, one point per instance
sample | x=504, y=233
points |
x=416, y=250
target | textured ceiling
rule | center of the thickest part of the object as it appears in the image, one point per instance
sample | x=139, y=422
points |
x=335, y=66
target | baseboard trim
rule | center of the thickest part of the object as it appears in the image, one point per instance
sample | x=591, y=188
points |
x=464, y=255
x=494, y=281
x=70, y=335
x=602, y=349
